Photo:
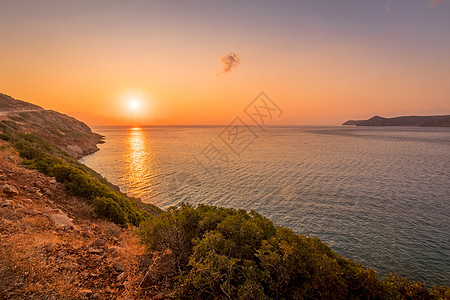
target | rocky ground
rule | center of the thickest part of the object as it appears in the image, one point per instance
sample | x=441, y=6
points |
x=53, y=247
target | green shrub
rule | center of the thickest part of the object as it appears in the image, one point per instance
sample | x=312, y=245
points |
x=110, y=210
x=441, y=293
x=61, y=172
x=28, y=151
x=223, y=253
x=400, y=288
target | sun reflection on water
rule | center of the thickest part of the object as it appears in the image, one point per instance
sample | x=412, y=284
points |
x=140, y=161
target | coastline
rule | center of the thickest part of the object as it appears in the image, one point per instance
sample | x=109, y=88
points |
x=75, y=209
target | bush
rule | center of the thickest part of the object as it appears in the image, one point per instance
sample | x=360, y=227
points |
x=228, y=253
x=440, y=293
x=109, y=209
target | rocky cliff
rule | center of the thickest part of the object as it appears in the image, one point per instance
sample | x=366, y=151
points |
x=61, y=130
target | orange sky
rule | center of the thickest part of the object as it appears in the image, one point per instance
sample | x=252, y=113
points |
x=322, y=63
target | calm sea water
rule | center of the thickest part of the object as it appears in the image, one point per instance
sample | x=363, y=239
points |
x=380, y=196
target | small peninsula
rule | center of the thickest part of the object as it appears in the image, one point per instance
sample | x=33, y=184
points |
x=422, y=121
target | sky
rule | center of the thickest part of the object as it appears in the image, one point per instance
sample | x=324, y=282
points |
x=110, y=62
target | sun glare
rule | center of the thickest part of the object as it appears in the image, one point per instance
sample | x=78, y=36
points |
x=134, y=104
x=134, y=107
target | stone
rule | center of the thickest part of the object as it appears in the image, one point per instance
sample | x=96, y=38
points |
x=61, y=220
x=85, y=292
x=10, y=190
x=95, y=251
x=119, y=267
x=3, y=176
x=74, y=150
x=88, y=233
x=112, y=270
x=98, y=243
x=52, y=180
x=121, y=278
x=31, y=189
x=47, y=192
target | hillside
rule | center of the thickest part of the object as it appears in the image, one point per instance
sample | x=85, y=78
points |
x=60, y=130
x=52, y=244
x=424, y=121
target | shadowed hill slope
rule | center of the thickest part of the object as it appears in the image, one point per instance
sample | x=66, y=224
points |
x=63, y=131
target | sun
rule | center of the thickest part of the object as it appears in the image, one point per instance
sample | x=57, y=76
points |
x=134, y=107
x=134, y=104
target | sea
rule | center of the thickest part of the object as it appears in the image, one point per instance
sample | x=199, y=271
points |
x=377, y=195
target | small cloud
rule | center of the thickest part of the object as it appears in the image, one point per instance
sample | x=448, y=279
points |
x=387, y=8
x=436, y=2
x=229, y=61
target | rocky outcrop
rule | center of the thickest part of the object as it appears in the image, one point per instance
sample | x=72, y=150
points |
x=9, y=190
x=61, y=130
x=424, y=121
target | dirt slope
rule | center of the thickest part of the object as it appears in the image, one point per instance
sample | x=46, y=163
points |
x=53, y=247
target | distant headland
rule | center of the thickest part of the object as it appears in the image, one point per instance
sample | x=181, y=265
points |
x=423, y=121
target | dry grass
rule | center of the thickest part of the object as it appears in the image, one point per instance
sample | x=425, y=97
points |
x=28, y=272
x=40, y=261
x=53, y=264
